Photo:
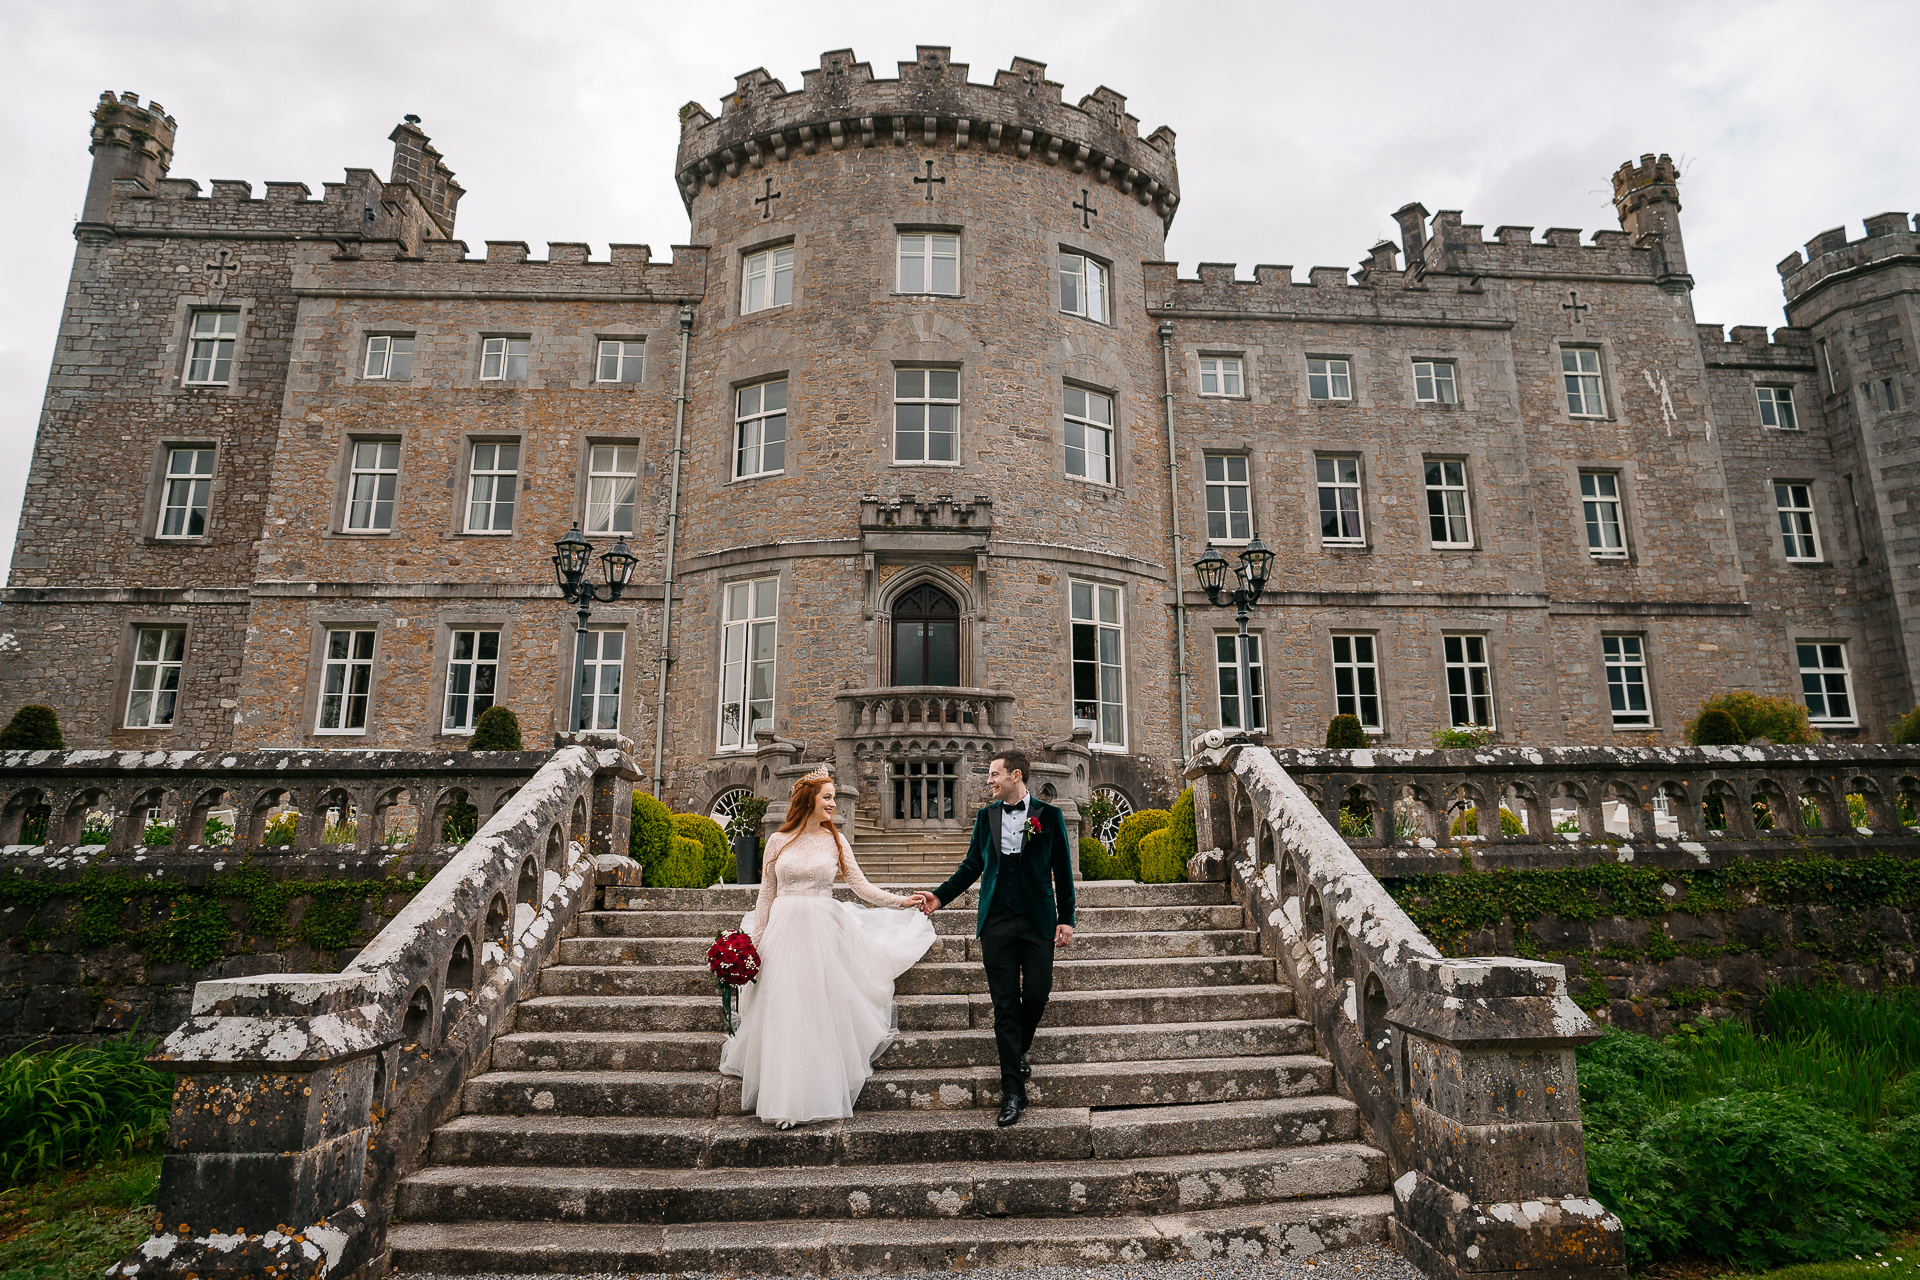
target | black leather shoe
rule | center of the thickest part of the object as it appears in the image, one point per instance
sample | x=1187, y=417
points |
x=1026, y=1068
x=1010, y=1109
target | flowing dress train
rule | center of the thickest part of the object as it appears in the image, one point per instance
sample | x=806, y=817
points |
x=822, y=1010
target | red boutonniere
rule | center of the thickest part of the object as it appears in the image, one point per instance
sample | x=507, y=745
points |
x=1033, y=824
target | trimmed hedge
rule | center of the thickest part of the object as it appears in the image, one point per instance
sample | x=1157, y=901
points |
x=1346, y=733
x=32, y=728
x=497, y=729
x=1715, y=728
x=650, y=842
x=713, y=843
x=1095, y=862
x=1468, y=823
x=1158, y=862
x=1185, y=840
x=1780, y=720
x=1126, y=844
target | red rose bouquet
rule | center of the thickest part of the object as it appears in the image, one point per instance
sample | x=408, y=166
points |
x=735, y=962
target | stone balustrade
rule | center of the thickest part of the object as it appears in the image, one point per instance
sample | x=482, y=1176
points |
x=302, y=1098
x=1667, y=806
x=933, y=709
x=1464, y=1069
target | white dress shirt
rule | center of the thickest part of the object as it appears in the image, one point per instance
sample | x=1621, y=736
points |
x=1012, y=823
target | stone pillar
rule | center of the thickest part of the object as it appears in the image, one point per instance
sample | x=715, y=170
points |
x=1499, y=1178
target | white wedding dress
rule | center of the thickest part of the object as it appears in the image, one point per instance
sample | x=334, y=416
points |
x=822, y=1010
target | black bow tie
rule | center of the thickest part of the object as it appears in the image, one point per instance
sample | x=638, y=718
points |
x=1016, y=808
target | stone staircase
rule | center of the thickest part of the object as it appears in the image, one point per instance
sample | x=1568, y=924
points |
x=1179, y=1111
x=921, y=859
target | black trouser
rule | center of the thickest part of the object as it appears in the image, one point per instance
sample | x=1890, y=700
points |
x=1019, y=964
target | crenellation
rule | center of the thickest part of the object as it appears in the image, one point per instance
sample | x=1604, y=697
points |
x=1890, y=238
x=289, y=192
x=1563, y=237
x=1513, y=235
x=1326, y=277
x=506, y=252
x=231, y=189
x=444, y=267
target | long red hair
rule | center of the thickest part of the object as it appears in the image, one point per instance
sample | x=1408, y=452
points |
x=800, y=803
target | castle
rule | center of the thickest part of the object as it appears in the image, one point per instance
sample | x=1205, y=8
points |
x=915, y=444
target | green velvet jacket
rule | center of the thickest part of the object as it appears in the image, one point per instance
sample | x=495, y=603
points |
x=1043, y=856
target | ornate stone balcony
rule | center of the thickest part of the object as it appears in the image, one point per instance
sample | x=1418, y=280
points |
x=927, y=511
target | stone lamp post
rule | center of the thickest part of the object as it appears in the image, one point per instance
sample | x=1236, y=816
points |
x=1256, y=563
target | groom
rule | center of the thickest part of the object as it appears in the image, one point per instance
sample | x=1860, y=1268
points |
x=1018, y=841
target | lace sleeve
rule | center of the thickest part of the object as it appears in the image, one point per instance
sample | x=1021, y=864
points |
x=858, y=882
x=763, y=905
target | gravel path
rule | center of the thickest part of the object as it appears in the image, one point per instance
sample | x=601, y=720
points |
x=1368, y=1262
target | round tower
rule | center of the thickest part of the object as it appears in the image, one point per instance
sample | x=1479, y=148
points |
x=924, y=507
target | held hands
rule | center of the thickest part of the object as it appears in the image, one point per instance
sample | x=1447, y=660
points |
x=924, y=901
x=1063, y=935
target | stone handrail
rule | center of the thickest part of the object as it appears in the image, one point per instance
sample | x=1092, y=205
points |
x=924, y=708
x=1463, y=1069
x=303, y=1098
x=1558, y=796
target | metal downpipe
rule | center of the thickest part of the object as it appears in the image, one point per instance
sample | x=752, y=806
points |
x=673, y=542
x=1179, y=556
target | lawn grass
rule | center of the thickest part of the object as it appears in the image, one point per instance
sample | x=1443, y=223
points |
x=1901, y=1258
x=74, y=1224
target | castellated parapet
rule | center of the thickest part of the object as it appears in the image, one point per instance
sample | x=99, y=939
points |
x=1021, y=113
x=1890, y=237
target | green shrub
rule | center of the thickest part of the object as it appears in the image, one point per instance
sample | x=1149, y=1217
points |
x=281, y=828
x=1715, y=728
x=1095, y=862
x=1345, y=733
x=650, y=839
x=1905, y=730
x=1159, y=863
x=1096, y=813
x=684, y=867
x=1465, y=737
x=747, y=816
x=84, y=1102
x=1468, y=823
x=461, y=823
x=497, y=729
x=32, y=728
x=1186, y=840
x=1779, y=720
x=1126, y=843
x=713, y=843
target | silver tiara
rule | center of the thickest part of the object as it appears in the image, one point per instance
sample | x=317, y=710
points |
x=821, y=774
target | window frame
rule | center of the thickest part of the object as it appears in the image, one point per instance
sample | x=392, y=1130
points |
x=1098, y=592
x=749, y=629
x=1773, y=397
x=621, y=357
x=1229, y=666
x=598, y=664
x=353, y=473
x=1101, y=270
x=1451, y=381
x=928, y=258
x=927, y=402
x=1467, y=665
x=202, y=481
x=1593, y=513
x=494, y=473
x=384, y=344
x=1358, y=667
x=472, y=663
x=759, y=416
x=350, y=664
x=612, y=475
x=505, y=353
x=1802, y=516
x=1343, y=377
x=1464, y=488
x=767, y=266
x=1597, y=375
x=1087, y=423
x=1337, y=486
x=1820, y=649
x=160, y=664
x=1226, y=485
x=217, y=358
x=1621, y=661
x=1220, y=373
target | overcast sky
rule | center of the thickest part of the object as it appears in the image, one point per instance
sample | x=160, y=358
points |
x=1301, y=126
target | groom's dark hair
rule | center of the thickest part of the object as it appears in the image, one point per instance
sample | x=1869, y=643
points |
x=1016, y=762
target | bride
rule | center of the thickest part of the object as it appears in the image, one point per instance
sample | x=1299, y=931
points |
x=822, y=1011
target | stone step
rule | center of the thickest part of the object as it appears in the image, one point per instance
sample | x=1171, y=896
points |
x=950, y=923
x=632, y=1050
x=1097, y=893
x=945, y=949
x=1150, y=1184
x=580, y=1013
x=785, y=1247
x=941, y=978
x=892, y=1137
x=634, y=1092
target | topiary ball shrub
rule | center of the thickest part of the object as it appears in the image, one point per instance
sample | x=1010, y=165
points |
x=1126, y=843
x=1468, y=823
x=650, y=838
x=1779, y=720
x=1095, y=862
x=497, y=729
x=1184, y=840
x=1159, y=864
x=713, y=842
x=1903, y=732
x=1715, y=728
x=32, y=728
x=684, y=867
x=1345, y=733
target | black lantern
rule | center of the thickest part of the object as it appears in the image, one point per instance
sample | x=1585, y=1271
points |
x=1212, y=568
x=1256, y=562
x=573, y=556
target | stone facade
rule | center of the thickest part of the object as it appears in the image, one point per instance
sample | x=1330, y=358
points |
x=854, y=535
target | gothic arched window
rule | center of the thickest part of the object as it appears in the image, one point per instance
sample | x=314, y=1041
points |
x=926, y=637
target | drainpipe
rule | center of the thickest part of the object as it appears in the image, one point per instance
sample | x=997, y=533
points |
x=673, y=541
x=1179, y=556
